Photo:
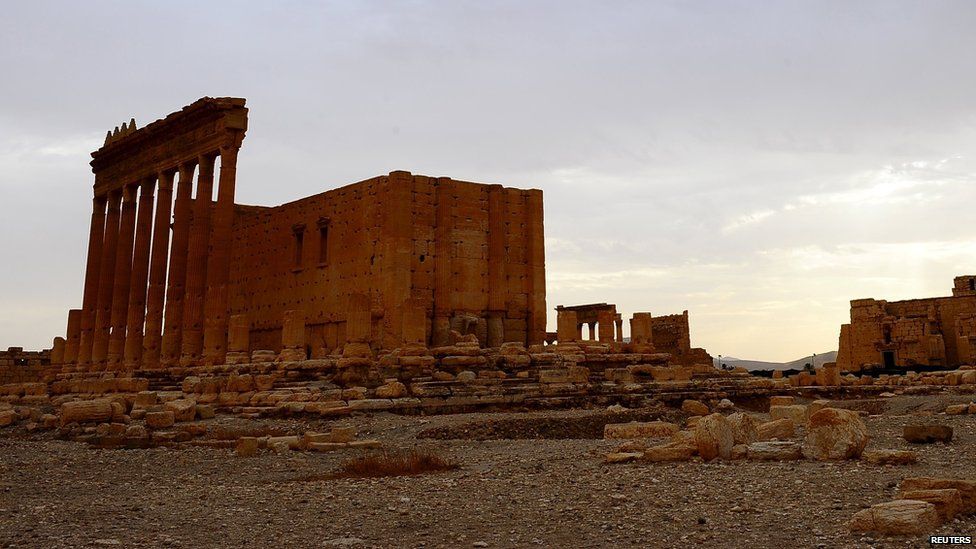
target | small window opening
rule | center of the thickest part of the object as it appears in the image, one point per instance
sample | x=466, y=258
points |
x=299, y=245
x=422, y=258
x=972, y=283
x=323, y=243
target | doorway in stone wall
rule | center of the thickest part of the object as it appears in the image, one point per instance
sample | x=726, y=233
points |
x=888, y=358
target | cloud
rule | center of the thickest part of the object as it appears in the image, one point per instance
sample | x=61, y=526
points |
x=758, y=167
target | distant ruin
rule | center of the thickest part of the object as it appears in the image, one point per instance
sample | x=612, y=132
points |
x=936, y=332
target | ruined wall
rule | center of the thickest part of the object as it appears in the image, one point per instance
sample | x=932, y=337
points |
x=932, y=332
x=20, y=366
x=672, y=334
x=470, y=254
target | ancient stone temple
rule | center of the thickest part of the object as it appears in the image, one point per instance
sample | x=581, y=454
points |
x=669, y=334
x=178, y=278
x=938, y=331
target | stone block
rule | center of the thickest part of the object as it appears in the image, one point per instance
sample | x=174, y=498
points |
x=926, y=434
x=636, y=429
x=774, y=451
x=160, y=420
x=246, y=447
x=900, y=517
x=798, y=413
x=694, y=407
x=967, y=489
x=713, y=436
x=890, y=457
x=947, y=501
x=834, y=433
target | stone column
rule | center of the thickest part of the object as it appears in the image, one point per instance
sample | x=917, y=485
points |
x=641, y=334
x=293, y=336
x=567, y=327
x=123, y=279
x=358, y=319
x=535, y=259
x=415, y=323
x=176, y=284
x=218, y=270
x=73, y=336
x=57, y=351
x=238, y=339
x=592, y=334
x=620, y=328
x=196, y=266
x=443, y=276
x=497, y=263
x=605, y=324
x=90, y=300
x=106, y=282
x=156, y=293
x=132, y=354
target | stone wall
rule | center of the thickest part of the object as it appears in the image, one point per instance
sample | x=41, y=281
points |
x=470, y=254
x=20, y=366
x=672, y=334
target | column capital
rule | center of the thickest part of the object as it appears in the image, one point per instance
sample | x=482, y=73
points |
x=114, y=198
x=206, y=160
x=166, y=180
x=148, y=185
x=229, y=151
x=129, y=193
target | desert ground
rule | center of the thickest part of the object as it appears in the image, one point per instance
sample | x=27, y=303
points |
x=524, y=479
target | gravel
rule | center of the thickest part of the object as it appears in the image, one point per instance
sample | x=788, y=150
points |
x=509, y=492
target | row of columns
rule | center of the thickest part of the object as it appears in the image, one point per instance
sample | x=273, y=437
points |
x=608, y=327
x=150, y=301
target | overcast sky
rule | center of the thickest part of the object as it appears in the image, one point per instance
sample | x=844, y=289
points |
x=756, y=163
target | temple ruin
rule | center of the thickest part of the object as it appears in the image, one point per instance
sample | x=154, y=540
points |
x=392, y=260
x=937, y=332
x=403, y=293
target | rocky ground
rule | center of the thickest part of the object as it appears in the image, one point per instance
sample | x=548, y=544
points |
x=518, y=490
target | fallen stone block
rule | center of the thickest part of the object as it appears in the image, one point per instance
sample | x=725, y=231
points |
x=781, y=400
x=183, y=409
x=926, y=434
x=901, y=517
x=668, y=452
x=890, y=457
x=834, y=433
x=781, y=429
x=246, y=447
x=796, y=412
x=947, y=501
x=713, y=436
x=774, y=451
x=957, y=409
x=621, y=457
x=745, y=428
x=638, y=429
x=160, y=420
x=695, y=408
x=967, y=489
x=7, y=417
x=817, y=405
x=205, y=411
x=391, y=389
x=91, y=411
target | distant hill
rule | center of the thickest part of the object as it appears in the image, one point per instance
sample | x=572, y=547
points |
x=797, y=364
